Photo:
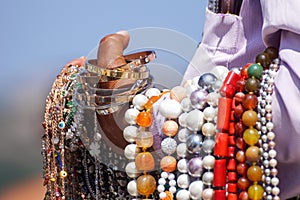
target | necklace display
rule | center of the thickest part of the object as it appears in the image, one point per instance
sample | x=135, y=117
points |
x=209, y=139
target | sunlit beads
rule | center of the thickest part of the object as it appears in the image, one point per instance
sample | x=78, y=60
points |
x=251, y=135
x=140, y=140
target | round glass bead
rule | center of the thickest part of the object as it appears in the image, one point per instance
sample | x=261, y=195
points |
x=249, y=118
x=194, y=143
x=242, y=168
x=144, y=161
x=199, y=98
x=146, y=184
x=170, y=128
x=250, y=101
x=254, y=173
x=256, y=192
x=181, y=150
x=168, y=163
x=182, y=119
x=63, y=174
x=263, y=59
x=253, y=154
x=272, y=52
x=144, y=139
x=240, y=156
x=183, y=134
x=144, y=119
x=255, y=70
x=244, y=195
x=207, y=80
x=252, y=85
x=243, y=183
x=251, y=136
x=208, y=178
x=195, y=167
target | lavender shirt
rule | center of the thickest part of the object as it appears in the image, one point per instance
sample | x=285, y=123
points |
x=232, y=41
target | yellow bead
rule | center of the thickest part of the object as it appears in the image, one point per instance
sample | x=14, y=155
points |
x=254, y=173
x=144, y=119
x=249, y=118
x=63, y=174
x=170, y=128
x=146, y=184
x=52, y=179
x=151, y=101
x=144, y=161
x=144, y=139
x=256, y=192
x=251, y=136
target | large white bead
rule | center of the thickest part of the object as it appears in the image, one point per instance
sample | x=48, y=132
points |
x=132, y=188
x=186, y=104
x=183, y=181
x=131, y=170
x=139, y=101
x=196, y=188
x=208, y=178
x=195, y=120
x=208, y=162
x=130, y=115
x=170, y=108
x=273, y=162
x=172, y=182
x=152, y=92
x=272, y=153
x=131, y=151
x=129, y=133
x=208, y=129
x=162, y=181
x=275, y=181
x=183, y=195
x=275, y=190
x=172, y=189
x=182, y=166
x=190, y=87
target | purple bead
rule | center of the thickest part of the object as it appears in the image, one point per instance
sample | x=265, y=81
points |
x=194, y=143
x=199, y=98
x=207, y=80
x=195, y=167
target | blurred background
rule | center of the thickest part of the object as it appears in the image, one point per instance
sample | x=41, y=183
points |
x=39, y=37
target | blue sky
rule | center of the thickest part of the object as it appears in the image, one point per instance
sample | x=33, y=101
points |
x=39, y=36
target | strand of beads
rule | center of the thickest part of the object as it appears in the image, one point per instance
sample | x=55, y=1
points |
x=170, y=109
x=183, y=180
x=265, y=125
x=140, y=114
x=58, y=116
